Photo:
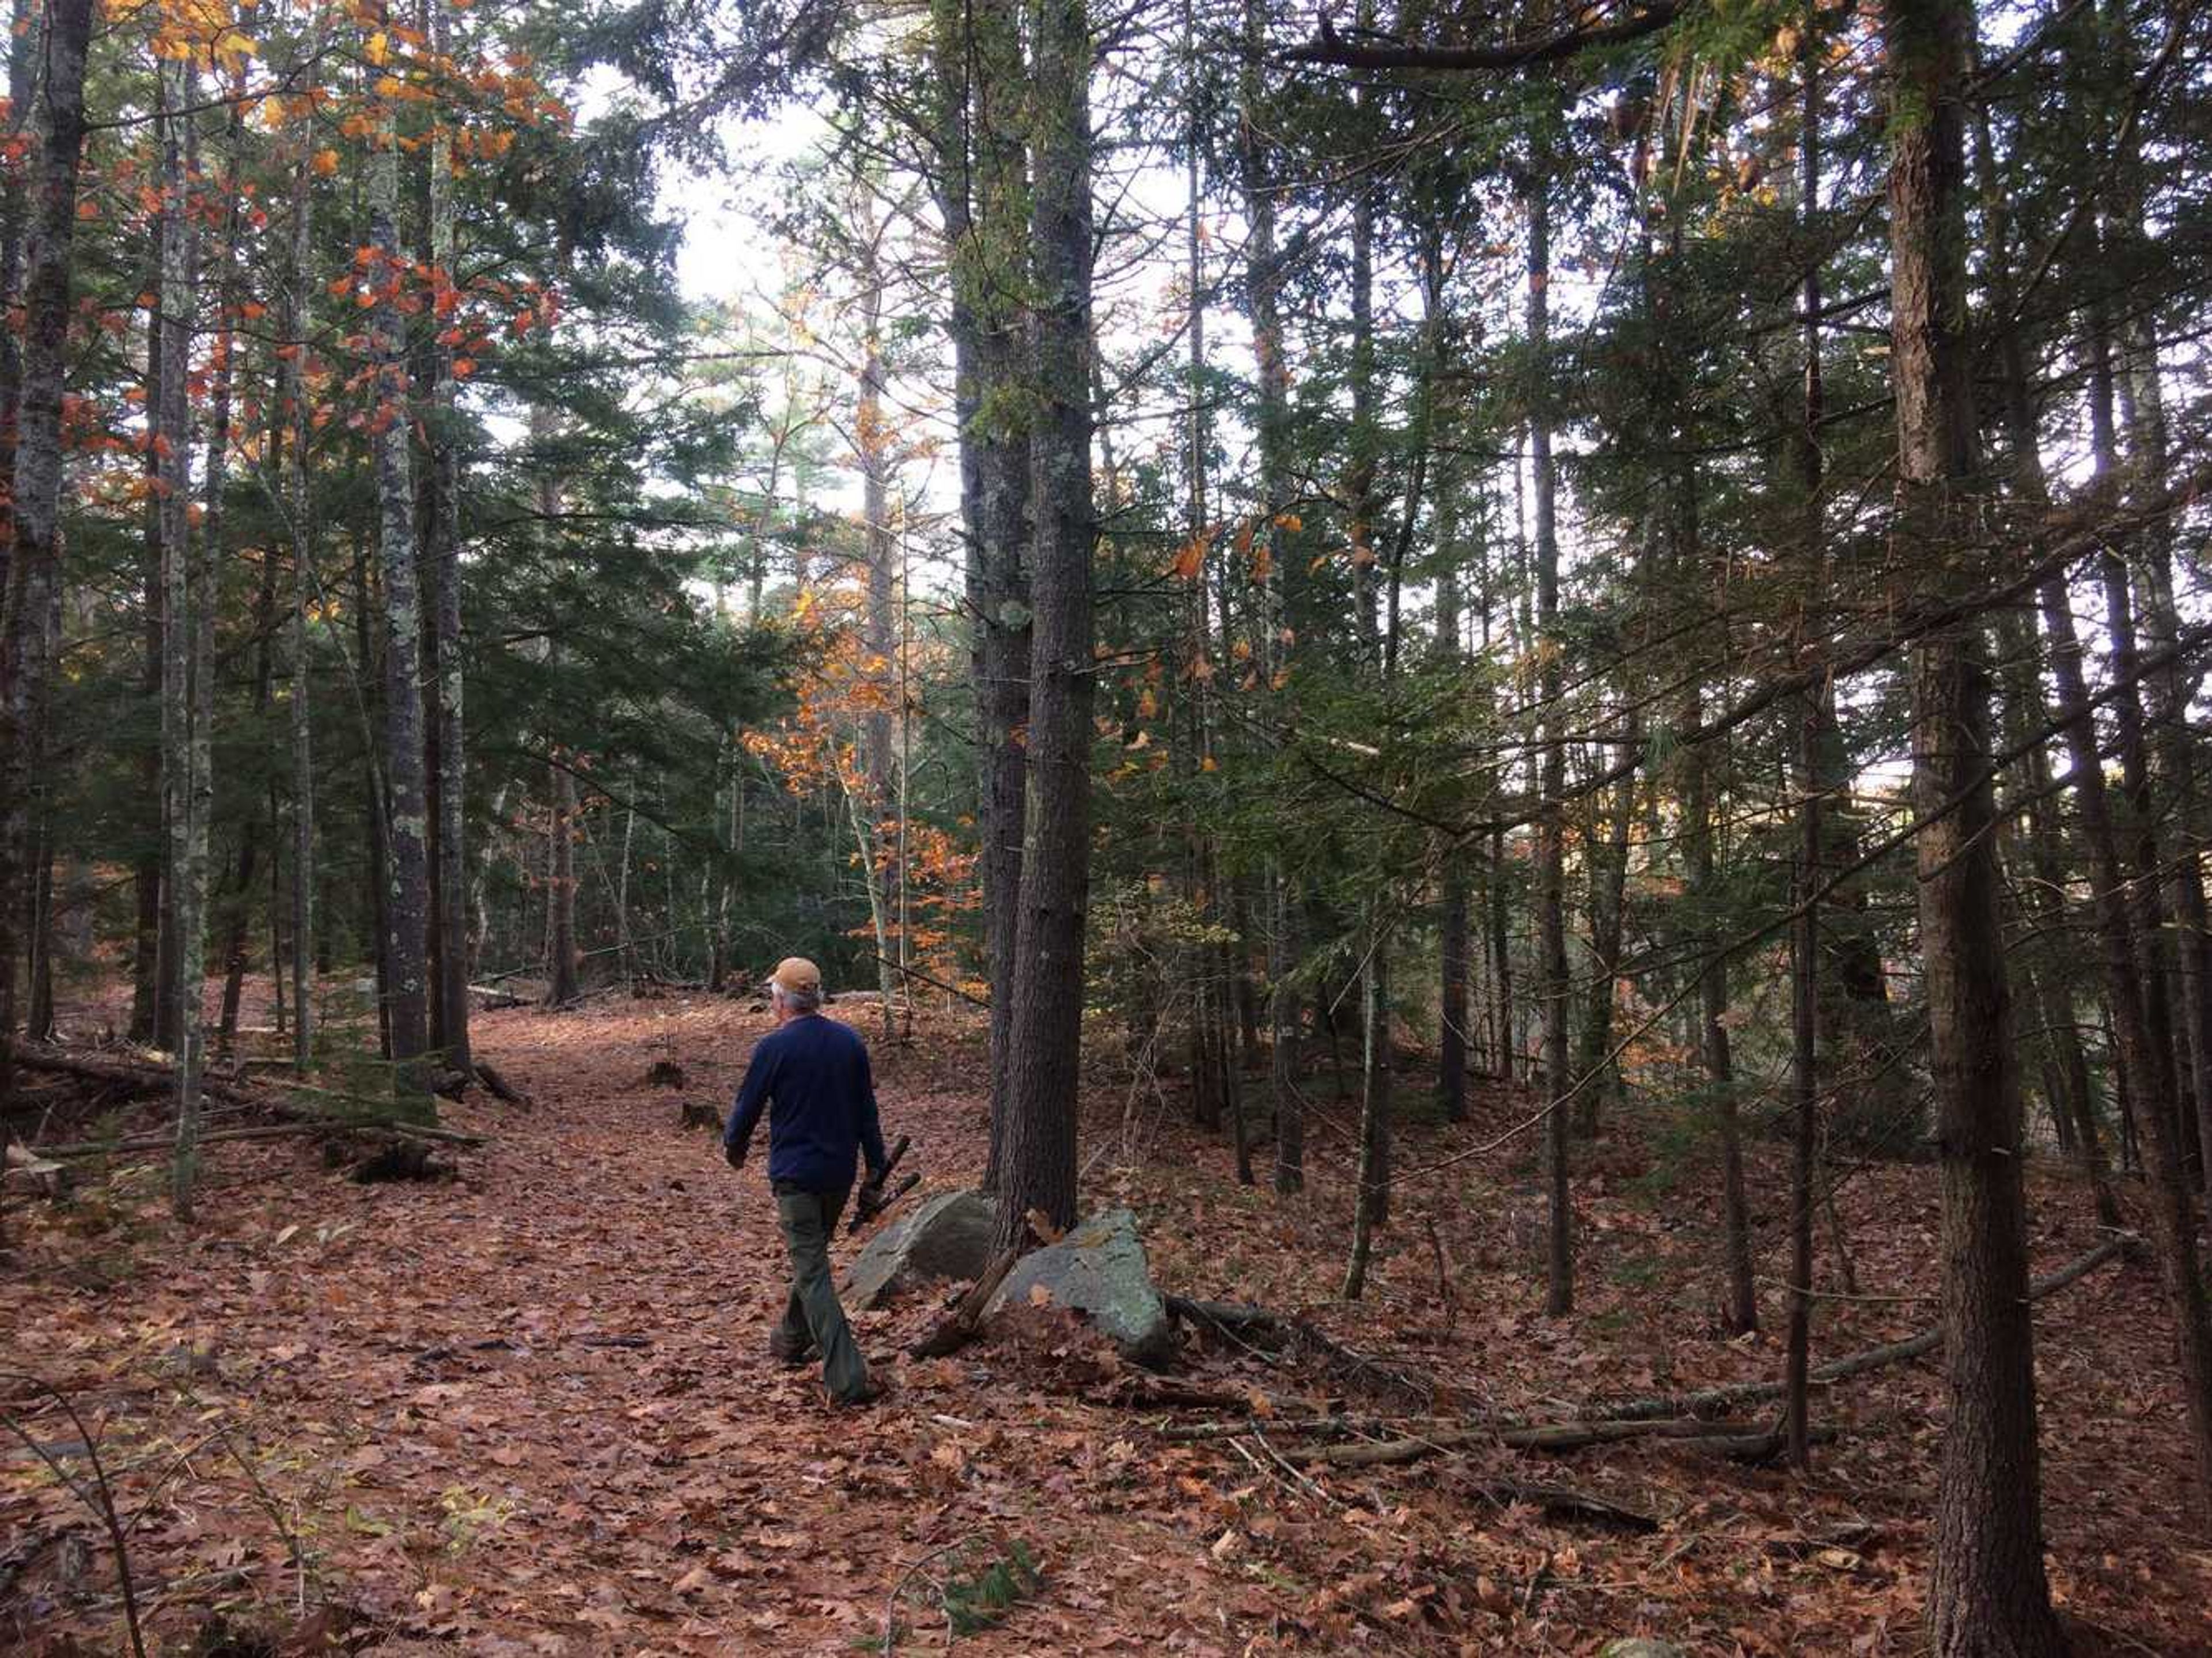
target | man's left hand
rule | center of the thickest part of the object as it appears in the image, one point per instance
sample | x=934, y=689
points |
x=733, y=1154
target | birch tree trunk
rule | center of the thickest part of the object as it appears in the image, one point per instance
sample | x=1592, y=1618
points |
x=407, y=901
x=441, y=558
x=185, y=670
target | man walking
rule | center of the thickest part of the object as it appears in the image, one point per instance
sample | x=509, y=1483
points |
x=811, y=1075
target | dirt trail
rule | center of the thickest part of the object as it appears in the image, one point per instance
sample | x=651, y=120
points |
x=531, y=1411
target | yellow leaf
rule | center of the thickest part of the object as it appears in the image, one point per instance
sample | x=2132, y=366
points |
x=1209, y=764
x=379, y=49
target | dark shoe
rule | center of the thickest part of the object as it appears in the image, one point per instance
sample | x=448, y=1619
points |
x=872, y=1391
x=785, y=1351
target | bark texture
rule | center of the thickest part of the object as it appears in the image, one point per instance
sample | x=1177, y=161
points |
x=1045, y=1039
x=1989, y=1593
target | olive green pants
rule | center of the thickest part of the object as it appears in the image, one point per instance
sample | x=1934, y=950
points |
x=812, y=1314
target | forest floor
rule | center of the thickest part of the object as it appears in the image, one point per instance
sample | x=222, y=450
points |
x=529, y=1410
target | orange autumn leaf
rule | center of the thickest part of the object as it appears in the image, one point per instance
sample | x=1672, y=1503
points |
x=325, y=162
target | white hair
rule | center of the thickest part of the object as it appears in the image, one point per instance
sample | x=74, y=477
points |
x=798, y=1001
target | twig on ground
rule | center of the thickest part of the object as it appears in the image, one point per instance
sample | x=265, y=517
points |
x=1230, y=1317
x=101, y=1498
x=898, y=1587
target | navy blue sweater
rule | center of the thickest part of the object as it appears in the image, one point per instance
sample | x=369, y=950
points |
x=811, y=1077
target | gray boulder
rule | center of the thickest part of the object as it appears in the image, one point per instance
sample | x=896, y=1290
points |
x=947, y=1237
x=1099, y=1270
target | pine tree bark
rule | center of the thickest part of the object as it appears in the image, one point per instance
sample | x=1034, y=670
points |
x=1608, y=916
x=22, y=46
x=1551, y=825
x=880, y=759
x=298, y=508
x=1263, y=291
x=1989, y=1593
x=984, y=196
x=238, y=910
x=1045, y=1039
x=1454, y=913
x=1805, y=935
x=561, y=890
x=33, y=566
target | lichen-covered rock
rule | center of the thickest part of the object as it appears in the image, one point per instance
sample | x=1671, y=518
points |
x=1099, y=1270
x=947, y=1237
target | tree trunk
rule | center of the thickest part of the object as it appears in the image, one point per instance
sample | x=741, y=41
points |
x=187, y=663
x=33, y=567
x=1372, y=1210
x=1263, y=294
x=561, y=891
x=441, y=560
x=1551, y=827
x=1045, y=1039
x=1453, y=915
x=22, y=49
x=980, y=76
x=874, y=439
x=1805, y=935
x=407, y=904
x=1989, y=1593
x=299, y=506
x=1608, y=876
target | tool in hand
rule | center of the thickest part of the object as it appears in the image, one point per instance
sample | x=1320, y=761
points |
x=876, y=1194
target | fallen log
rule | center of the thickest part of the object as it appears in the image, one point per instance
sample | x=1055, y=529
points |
x=144, y=1076
x=1552, y=1436
x=1854, y=1364
x=373, y=1104
x=490, y=998
x=297, y=1126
